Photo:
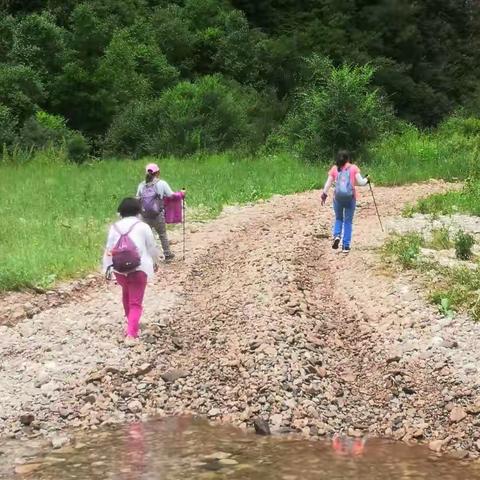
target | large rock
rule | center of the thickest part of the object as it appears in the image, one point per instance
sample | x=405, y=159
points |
x=27, y=468
x=261, y=427
x=59, y=441
x=135, y=406
x=27, y=419
x=457, y=414
x=436, y=445
x=173, y=375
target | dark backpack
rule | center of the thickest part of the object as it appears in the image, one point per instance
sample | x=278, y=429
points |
x=152, y=204
x=125, y=255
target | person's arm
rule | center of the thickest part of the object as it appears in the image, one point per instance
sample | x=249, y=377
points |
x=107, y=255
x=150, y=244
x=139, y=191
x=361, y=181
x=326, y=188
x=164, y=189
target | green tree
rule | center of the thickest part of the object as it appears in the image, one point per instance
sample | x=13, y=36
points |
x=21, y=90
x=7, y=27
x=8, y=124
x=40, y=44
x=210, y=115
x=131, y=70
x=338, y=109
x=426, y=51
x=174, y=35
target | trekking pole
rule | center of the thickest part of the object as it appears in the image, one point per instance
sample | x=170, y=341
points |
x=184, y=230
x=376, y=208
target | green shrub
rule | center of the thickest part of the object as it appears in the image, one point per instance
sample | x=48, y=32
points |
x=404, y=249
x=77, y=148
x=338, y=109
x=209, y=115
x=440, y=239
x=458, y=289
x=444, y=303
x=20, y=90
x=463, y=245
x=8, y=125
x=458, y=125
x=42, y=130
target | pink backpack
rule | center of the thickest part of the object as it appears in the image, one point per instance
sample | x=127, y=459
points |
x=125, y=255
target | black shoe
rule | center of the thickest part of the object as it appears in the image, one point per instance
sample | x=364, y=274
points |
x=336, y=243
x=346, y=250
x=169, y=258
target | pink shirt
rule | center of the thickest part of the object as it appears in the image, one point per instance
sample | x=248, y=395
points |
x=354, y=170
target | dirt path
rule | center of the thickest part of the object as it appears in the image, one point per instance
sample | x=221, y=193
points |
x=262, y=320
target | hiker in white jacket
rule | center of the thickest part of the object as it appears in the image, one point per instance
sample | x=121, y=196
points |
x=133, y=282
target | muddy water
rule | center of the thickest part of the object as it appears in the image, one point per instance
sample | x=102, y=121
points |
x=181, y=448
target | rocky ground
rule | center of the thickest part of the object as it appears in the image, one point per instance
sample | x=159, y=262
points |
x=263, y=320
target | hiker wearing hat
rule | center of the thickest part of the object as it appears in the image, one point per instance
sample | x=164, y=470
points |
x=345, y=175
x=152, y=193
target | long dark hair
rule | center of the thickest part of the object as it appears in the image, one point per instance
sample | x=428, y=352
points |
x=150, y=176
x=343, y=157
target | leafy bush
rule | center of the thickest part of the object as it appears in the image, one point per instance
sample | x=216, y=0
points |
x=8, y=125
x=444, y=303
x=208, y=115
x=404, y=249
x=50, y=131
x=40, y=43
x=20, y=90
x=43, y=130
x=463, y=245
x=456, y=289
x=458, y=125
x=133, y=70
x=77, y=148
x=440, y=239
x=338, y=109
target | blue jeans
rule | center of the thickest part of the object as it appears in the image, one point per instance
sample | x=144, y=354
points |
x=343, y=220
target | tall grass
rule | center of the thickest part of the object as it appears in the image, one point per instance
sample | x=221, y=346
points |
x=466, y=200
x=414, y=156
x=55, y=214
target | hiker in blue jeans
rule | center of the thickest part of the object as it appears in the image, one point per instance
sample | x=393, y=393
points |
x=346, y=176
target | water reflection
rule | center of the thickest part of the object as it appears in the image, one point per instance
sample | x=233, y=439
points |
x=182, y=448
x=135, y=452
x=349, y=447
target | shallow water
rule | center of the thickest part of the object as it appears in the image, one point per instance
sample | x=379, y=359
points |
x=182, y=448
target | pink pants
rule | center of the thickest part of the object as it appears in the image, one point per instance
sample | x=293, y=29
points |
x=133, y=289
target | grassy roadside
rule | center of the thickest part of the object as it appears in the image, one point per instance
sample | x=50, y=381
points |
x=454, y=284
x=465, y=201
x=415, y=156
x=55, y=214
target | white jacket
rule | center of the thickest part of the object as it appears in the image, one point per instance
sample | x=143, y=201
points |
x=141, y=236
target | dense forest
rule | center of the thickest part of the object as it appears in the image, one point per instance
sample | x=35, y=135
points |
x=137, y=77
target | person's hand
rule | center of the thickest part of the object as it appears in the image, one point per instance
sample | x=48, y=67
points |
x=368, y=178
x=324, y=198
